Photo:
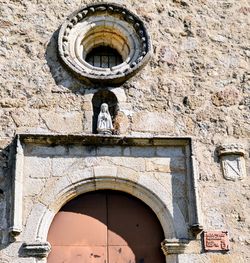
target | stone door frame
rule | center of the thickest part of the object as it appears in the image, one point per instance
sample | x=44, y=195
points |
x=34, y=233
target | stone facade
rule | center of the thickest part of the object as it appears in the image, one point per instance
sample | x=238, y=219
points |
x=195, y=85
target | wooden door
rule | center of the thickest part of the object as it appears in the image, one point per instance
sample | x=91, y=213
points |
x=105, y=227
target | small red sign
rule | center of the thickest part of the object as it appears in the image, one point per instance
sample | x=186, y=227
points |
x=216, y=240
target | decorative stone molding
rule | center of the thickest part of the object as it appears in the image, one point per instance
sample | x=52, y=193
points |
x=38, y=249
x=173, y=246
x=104, y=24
x=196, y=229
x=231, y=149
x=17, y=189
x=232, y=161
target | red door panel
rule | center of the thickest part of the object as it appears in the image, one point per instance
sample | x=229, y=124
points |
x=121, y=254
x=72, y=229
x=131, y=223
x=78, y=254
x=105, y=227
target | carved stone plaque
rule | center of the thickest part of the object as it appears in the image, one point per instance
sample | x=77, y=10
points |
x=232, y=162
x=216, y=241
x=233, y=167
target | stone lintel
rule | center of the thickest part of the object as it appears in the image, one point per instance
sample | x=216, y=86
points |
x=103, y=140
x=231, y=149
x=36, y=249
x=174, y=246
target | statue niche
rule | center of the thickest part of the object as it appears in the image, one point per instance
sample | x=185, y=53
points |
x=105, y=107
x=104, y=121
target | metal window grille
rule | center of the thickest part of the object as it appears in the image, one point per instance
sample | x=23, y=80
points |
x=104, y=57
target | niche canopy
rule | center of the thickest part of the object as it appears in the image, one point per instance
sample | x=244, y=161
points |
x=109, y=27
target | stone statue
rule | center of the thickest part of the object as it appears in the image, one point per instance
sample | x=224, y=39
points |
x=104, y=122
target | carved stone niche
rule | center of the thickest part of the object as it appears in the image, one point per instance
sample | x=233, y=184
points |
x=232, y=161
x=104, y=96
x=104, y=26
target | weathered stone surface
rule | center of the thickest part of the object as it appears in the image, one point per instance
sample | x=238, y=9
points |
x=67, y=122
x=13, y=103
x=166, y=165
x=121, y=123
x=25, y=118
x=152, y=122
x=227, y=97
x=193, y=102
x=100, y=171
x=37, y=167
x=168, y=55
x=39, y=150
x=34, y=186
x=200, y=52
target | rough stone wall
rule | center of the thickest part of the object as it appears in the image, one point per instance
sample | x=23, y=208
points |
x=196, y=84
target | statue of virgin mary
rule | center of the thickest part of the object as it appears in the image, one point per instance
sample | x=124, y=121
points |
x=104, y=122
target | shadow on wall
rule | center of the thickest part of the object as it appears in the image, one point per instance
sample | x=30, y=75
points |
x=6, y=168
x=64, y=80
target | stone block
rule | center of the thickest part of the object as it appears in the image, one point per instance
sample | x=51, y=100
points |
x=13, y=102
x=62, y=166
x=91, y=161
x=226, y=97
x=126, y=151
x=142, y=151
x=109, y=151
x=33, y=186
x=101, y=171
x=75, y=150
x=152, y=122
x=166, y=165
x=193, y=101
x=78, y=175
x=25, y=118
x=120, y=94
x=170, y=151
x=87, y=106
x=164, y=179
x=121, y=123
x=60, y=188
x=38, y=209
x=158, y=165
x=151, y=183
x=106, y=184
x=137, y=164
x=128, y=174
x=36, y=167
x=64, y=122
x=88, y=121
x=40, y=150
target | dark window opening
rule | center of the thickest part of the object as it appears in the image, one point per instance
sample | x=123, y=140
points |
x=104, y=57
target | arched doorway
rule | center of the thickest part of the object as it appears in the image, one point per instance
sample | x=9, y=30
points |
x=105, y=227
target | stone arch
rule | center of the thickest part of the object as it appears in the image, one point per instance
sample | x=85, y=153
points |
x=50, y=203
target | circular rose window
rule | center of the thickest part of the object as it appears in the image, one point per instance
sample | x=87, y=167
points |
x=104, y=43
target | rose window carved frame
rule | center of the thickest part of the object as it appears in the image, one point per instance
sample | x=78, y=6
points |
x=104, y=24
